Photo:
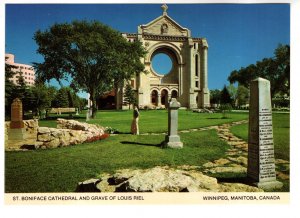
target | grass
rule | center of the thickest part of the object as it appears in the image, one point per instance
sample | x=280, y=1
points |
x=59, y=170
x=281, y=134
x=153, y=120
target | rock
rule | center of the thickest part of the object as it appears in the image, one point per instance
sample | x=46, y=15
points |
x=38, y=144
x=34, y=124
x=229, y=169
x=42, y=130
x=65, y=138
x=282, y=176
x=160, y=179
x=44, y=137
x=238, y=187
x=75, y=125
x=219, y=162
x=88, y=186
x=240, y=160
x=54, y=143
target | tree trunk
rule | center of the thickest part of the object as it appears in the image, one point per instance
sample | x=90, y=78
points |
x=94, y=104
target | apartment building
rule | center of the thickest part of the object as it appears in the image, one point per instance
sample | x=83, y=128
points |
x=25, y=70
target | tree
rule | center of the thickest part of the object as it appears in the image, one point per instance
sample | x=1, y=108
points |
x=242, y=95
x=232, y=90
x=61, y=98
x=9, y=88
x=43, y=96
x=215, y=96
x=129, y=95
x=275, y=69
x=225, y=96
x=93, y=54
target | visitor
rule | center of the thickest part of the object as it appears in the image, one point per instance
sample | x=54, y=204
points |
x=135, y=121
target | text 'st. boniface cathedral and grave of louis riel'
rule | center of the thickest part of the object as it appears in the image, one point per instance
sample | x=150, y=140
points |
x=186, y=81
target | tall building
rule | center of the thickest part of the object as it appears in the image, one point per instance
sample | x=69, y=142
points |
x=25, y=70
x=188, y=78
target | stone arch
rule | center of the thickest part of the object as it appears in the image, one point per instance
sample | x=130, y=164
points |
x=188, y=74
x=154, y=97
x=164, y=96
x=174, y=93
x=167, y=47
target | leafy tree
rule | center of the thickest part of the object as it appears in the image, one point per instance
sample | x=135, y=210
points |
x=225, y=108
x=232, y=90
x=242, y=95
x=43, y=97
x=93, y=54
x=9, y=88
x=215, y=96
x=61, y=98
x=275, y=69
x=129, y=95
x=225, y=96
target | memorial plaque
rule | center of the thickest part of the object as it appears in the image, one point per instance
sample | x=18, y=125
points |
x=16, y=114
x=261, y=160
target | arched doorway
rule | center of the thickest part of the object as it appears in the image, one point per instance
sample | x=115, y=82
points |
x=154, y=97
x=174, y=94
x=164, y=97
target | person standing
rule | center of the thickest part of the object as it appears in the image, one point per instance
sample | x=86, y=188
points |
x=135, y=121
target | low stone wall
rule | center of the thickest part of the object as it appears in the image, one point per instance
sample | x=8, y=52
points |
x=68, y=132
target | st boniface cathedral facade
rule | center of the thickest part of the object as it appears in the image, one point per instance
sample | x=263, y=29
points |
x=187, y=79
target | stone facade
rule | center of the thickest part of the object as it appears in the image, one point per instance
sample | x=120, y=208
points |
x=187, y=81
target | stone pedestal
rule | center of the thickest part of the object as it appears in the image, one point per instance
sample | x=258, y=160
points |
x=172, y=140
x=16, y=134
x=261, y=161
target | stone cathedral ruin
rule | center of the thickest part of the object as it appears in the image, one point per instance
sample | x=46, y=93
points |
x=187, y=79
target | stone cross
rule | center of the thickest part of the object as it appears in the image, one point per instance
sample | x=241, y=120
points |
x=261, y=161
x=172, y=140
x=16, y=114
x=164, y=7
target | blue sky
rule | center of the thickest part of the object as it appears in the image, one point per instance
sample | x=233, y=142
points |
x=238, y=34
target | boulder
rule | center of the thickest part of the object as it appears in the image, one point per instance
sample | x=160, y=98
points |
x=160, y=179
x=42, y=130
x=54, y=143
x=46, y=137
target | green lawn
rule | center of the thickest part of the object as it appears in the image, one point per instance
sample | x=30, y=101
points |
x=153, y=120
x=59, y=170
x=281, y=134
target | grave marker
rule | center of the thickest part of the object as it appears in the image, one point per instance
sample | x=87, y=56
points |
x=261, y=160
x=16, y=114
x=16, y=132
x=172, y=140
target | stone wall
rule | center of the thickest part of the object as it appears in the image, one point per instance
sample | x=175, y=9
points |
x=68, y=132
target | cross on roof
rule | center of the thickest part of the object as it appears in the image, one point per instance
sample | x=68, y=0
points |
x=164, y=8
